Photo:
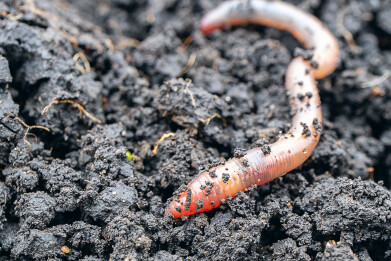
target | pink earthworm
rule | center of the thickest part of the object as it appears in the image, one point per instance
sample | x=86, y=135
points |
x=262, y=164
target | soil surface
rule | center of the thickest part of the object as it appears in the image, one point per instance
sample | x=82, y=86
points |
x=87, y=88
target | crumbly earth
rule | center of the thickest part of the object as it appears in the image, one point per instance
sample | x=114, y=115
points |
x=70, y=192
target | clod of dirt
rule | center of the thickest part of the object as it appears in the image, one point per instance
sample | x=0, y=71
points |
x=188, y=105
x=344, y=206
x=288, y=250
x=36, y=209
x=5, y=74
x=337, y=252
x=111, y=201
x=4, y=198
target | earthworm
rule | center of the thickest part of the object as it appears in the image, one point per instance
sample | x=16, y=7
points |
x=264, y=163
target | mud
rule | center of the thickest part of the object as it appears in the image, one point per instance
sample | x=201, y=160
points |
x=107, y=77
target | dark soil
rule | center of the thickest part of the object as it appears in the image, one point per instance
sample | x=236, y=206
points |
x=71, y=192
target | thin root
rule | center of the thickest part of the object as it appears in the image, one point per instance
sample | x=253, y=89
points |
x=127, y=42
x=74, y=103
x=377, y=80
x=164, y=136
x=28, y=129
x=85, y=68
x=189, y=65
x=186, y=42
x=345, y=32
x=11, y=16
x=191, y=94
x=109, y=45
x=216, y=115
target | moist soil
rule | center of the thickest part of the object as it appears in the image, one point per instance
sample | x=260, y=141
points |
x=87, y=88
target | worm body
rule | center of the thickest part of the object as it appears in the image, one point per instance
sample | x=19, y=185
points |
x=260, y=165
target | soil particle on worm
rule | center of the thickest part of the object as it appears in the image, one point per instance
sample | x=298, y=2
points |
x=225, y=177
x=142, y=69
x=199, y=203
